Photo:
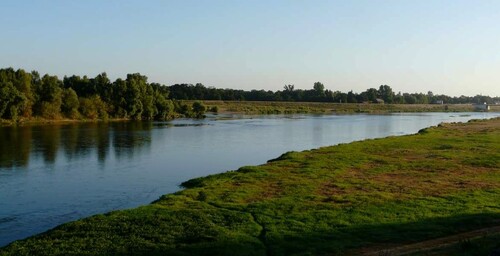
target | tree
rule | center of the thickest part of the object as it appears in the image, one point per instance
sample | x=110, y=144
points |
x=319, y=88
x=50, y=97
x=385, y=92
x=93, y=107
x=15, y=94
x=351, y=97
x=11, y=101
x=118, y=99
x=430, y=97
x=198, y=109
x=399, y=99
x=409, y=99
x=369, y=95
x=289, y=88
x=70, y=103
x=339, y=97
x=165, y=108
x=101, y=85
x=136, y=90
x=23, y=85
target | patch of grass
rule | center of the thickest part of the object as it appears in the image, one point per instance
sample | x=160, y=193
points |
x=276, y=107
x=329, y=200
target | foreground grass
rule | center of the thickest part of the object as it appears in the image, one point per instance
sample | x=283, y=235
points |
x=332, y=200
x=276, y=107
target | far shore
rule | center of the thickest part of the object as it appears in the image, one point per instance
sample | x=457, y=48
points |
x=279, y=107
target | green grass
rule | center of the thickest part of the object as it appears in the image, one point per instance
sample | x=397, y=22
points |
x=332, y=200
x=276, y=107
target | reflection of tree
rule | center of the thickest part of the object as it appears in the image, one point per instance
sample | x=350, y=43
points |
x=102, y=140
x=77, y=141
x=47, y=142
x=130, y=137
x=70, y=142
x=15, y=146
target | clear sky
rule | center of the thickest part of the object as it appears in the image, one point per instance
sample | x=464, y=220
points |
x=446, y=46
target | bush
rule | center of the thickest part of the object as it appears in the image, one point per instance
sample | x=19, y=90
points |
x=214, y=109
x=198, y=109
x=93, y=108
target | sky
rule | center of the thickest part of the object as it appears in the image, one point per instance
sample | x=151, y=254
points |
x=445, y=46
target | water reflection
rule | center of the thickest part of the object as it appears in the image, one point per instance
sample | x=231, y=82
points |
x=15, y=146
x=73, y=141
x=131, y=138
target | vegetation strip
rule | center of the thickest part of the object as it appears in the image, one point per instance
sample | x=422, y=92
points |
x=30, y=97
x=268, y=107
x=442, y=181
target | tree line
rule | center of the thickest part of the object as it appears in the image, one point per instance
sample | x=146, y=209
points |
x=319, y=94
x=27, y=94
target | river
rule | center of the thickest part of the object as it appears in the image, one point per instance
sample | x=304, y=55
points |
x=52, y=174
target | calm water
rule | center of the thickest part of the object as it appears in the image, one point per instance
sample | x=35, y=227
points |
x=57, y=173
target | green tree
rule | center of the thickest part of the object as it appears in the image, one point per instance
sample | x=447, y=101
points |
x=409, y=99
x=319, y=88
x=198, y=109
x=50, y=99
x=93, y=108
x=118, y=99
x=13, y=101
x=70, y=103
x=163, y=108
x=136, y=90
x=385, y=92
x=22, y=82
x=289, y=88
x=370, y=95
x=351, y=97
x=102, y=86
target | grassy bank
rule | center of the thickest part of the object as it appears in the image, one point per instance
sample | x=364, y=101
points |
x=268, y=107
x=333, y=200
x=276, y=107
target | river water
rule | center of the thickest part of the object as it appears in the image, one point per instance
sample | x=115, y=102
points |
x=52, y=174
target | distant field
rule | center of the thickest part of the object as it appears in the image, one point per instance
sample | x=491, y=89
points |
x=337, y=200
x=495, y=108
x=269, y=107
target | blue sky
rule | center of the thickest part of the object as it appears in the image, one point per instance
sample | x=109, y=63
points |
x=450, y=47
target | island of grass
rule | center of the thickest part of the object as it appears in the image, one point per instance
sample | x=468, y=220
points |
x=356, y=198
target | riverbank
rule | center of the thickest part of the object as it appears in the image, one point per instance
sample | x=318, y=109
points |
x=442, y=181
x=44, y=121
x=270, y=107
x=277, y=107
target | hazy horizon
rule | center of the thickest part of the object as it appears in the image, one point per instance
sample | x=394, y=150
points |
x=447, y=47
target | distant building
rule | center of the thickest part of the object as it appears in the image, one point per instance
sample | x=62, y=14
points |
x=439, y=102
x=379, y=101
x=482, y=107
